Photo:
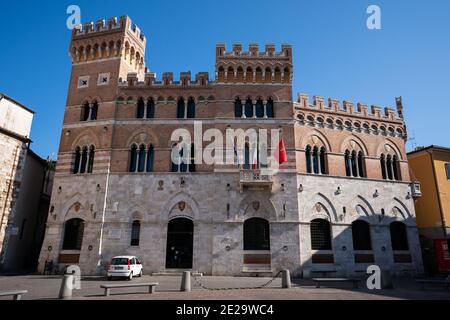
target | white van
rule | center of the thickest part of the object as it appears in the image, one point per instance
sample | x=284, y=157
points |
x=125, y=266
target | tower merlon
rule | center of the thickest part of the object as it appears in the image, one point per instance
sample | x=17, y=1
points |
x=253, y=51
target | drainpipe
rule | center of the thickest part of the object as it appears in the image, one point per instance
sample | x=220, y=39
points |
x=444, y=230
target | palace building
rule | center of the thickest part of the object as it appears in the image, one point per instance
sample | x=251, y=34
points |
x=344, y=200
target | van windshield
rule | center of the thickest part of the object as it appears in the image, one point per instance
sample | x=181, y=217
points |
x=119, y=261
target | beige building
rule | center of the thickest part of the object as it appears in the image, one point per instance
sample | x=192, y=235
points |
x=25, y=189
x=343, y=200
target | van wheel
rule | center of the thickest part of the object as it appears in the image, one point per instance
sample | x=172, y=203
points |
x=130, y=277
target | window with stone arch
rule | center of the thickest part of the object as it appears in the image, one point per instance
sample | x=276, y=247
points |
x=135, y=233
x=238, y=108
x=83, y=159
x=390, y=166
x=354, y=163
x=316, y=155
x=141, y=158
x=89, y=111
x=183, y=158
x=320, y=234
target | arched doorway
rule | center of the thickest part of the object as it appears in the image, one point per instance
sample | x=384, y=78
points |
x=257, y=254
x=180, y=242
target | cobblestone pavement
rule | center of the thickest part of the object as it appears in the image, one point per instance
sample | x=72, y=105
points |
x=47, y=287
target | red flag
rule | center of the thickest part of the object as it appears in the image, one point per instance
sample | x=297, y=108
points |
x=281, y=155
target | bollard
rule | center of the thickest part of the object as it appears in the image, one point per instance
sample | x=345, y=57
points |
x=65, y=292
x=186, y=282
x=285, y=279
x=386, y=280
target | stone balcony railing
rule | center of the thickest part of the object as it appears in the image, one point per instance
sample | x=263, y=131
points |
x=255, y=179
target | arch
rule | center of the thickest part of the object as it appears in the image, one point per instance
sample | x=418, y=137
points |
x=180, y=241
x=238, y=108
x=315, y=137
x=404, y=209
x=325, y=211
x=388, y=147
x=256, y=205
x=191, y=210
x=230, y=74
x=85, y=138
x=221, y=74
x=145, y=136
x=352, y=142
x=249, y=75
x=268, y=75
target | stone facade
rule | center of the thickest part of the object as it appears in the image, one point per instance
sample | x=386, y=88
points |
x=108, y=87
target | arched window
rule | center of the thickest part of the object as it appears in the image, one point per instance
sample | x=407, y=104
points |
x=94, y=111
x=268, y=75
x=181, y=109
x=348, y=166
x=361, y=164
x=73, y=234
x=249, y=108
x=141, y=161
x=277, y=77
x=396, y=167
x=256, y=234
x=247, y=156
x=259, y=108
x=354, y=164
x=320, y=235
x=180, y=158
x=322, y=158
x=192, y=159
x=389, y=167
x=308, y=159
x=270, y=108
x=240, y=75
x=135, y=233
x=133, y=158
x=85, y=109
x=383, y=166
x=191, y=108
x=76, y=166
x=140, y=108
x=315, y=156
x=84, y=156
x=238, y=108
x=399, y=237
x=150, y=109
x=150, y=158
x=91, y=159
x=221, y=74
x=230, y=74
x=361, y=235
x=249, y=75
x=287, y=75
x=258, y=74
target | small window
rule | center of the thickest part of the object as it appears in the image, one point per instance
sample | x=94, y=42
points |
x=135, y=234
x=320, y=235
x=103, y=79
x=83, y=82
x=447, y=167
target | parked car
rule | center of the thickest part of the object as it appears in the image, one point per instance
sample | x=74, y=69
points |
x=125, y=266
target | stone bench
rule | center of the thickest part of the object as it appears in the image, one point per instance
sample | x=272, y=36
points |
x=17, y=294
x=323, y=273
x=423, y=282
x=319, y=281
x=108, y=287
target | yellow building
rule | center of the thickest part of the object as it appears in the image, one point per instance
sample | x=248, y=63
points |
x=431, y=167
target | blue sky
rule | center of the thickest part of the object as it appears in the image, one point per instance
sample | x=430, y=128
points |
x=335, y=55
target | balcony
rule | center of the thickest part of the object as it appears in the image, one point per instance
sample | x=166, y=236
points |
x=416, y=190
x=255, y=180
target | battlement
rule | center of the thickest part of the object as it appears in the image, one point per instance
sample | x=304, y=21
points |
x=201, y=79
x=109, y=26
x=253, y=52
x=348, y=107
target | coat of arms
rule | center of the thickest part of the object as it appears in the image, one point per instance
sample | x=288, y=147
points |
x=255, y=205
x=181, y=205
